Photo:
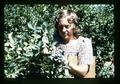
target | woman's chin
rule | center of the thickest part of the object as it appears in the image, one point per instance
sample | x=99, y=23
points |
x=66, y=38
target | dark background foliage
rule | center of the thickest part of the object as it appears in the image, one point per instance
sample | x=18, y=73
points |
x=28, y=38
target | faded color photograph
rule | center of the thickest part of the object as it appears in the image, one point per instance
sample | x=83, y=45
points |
x=59, y=41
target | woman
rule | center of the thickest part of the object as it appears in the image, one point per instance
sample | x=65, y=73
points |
x=77, y=50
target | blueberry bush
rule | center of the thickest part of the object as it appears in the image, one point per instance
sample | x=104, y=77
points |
x=28, y=39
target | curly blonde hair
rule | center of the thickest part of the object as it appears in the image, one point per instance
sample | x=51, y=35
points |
x=73, y=19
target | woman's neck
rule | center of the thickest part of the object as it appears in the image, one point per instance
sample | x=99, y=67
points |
x=69, y=40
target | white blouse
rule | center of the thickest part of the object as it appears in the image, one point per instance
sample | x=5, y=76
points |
x=81, y=47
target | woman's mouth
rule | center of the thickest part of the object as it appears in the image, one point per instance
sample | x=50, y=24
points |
x=66, y=33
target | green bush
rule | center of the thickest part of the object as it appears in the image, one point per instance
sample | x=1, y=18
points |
x=28, y=38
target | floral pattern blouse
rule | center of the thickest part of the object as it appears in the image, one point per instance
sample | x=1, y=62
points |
x=81, y=47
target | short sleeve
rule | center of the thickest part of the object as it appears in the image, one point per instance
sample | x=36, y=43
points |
x=85, y=51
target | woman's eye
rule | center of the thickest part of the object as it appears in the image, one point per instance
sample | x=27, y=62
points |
x=67, y=26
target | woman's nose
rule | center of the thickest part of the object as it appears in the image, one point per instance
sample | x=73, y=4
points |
x=64, y=29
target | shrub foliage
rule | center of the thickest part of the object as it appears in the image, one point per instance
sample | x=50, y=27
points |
x=28, y=38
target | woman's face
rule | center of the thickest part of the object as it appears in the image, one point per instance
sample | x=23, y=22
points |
x=65, y=29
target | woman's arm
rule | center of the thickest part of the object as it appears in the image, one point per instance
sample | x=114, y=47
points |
x=85, y=58
x=79, y=70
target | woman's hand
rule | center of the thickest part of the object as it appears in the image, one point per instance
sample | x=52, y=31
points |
x=79, y=70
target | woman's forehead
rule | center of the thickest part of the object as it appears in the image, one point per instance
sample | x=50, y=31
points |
x=64, y=20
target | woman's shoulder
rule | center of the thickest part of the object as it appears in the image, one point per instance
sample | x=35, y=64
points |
x=83, y=39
